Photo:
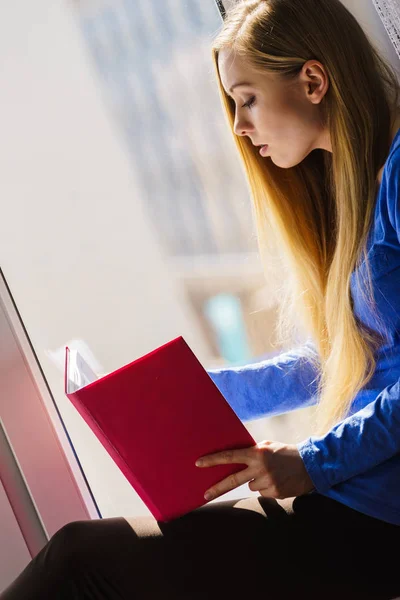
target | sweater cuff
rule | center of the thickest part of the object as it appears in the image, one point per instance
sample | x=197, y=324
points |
x=310, y=456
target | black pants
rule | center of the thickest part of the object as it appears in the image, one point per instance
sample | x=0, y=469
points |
x=308, y=547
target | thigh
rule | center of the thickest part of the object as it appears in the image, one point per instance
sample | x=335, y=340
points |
x=236, y=549
x=307, y=547
x=218, y=551
x=233, y=549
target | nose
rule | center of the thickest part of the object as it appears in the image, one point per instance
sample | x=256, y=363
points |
x=241, y=125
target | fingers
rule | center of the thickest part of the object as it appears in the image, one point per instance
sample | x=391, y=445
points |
x=262, y=484
x=267, y=487
x=228, y=484
x=224, y=457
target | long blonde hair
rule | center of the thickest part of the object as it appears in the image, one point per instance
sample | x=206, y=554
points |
x=319, y=212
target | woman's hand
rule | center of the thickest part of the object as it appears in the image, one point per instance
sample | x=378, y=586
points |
x=275, y=470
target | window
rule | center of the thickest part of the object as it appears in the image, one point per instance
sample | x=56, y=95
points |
x=127, y=212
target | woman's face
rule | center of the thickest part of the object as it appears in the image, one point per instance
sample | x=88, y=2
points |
x=284, y=115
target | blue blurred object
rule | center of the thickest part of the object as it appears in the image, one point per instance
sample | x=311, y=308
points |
x=224, y=312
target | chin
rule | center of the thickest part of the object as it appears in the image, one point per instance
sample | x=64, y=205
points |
x=289, y=163
x=283, y=165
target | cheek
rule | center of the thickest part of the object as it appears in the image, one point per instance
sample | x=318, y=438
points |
x=275, y=121
x=265, y=123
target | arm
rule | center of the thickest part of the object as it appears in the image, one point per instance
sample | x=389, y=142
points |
x=270, y=387
x=371, y=435
x=356, y=444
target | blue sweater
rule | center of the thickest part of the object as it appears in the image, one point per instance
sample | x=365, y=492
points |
x=358, y=461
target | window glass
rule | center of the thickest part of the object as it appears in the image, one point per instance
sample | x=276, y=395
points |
x=128, y=220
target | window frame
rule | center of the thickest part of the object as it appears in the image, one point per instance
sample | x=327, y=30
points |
x=42, y=505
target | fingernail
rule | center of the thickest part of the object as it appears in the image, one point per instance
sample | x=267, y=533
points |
x=208, y=495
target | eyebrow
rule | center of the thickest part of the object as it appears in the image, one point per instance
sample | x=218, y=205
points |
x=238, y=84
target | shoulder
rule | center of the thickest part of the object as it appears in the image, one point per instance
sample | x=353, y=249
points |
x=393, y=161
x=394, y=154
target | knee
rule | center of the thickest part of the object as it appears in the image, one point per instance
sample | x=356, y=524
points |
x=67, y=546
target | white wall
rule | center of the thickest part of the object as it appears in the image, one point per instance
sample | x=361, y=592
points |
x=368, y=17
x=77, y=251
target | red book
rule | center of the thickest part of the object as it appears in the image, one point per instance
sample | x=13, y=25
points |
x=155, y=416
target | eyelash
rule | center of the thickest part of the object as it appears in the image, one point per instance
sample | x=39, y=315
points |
x=250, y=103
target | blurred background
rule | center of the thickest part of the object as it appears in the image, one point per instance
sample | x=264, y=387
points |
x=126, y=217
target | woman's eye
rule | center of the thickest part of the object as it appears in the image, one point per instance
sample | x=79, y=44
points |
x=249, y=103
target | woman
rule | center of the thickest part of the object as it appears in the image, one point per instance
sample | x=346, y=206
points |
x=315, y=114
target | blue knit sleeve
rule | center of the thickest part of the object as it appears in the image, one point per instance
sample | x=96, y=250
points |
x=270, y=387
x=356, y=444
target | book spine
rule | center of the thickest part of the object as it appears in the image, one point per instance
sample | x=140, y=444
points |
x=115, y=455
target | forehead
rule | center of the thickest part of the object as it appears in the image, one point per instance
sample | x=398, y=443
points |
x=232, y=67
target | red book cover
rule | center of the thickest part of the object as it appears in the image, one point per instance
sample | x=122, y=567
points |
x=155, y=416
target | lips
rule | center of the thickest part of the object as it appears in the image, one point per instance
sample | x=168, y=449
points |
x=262, y=148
